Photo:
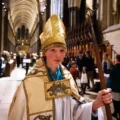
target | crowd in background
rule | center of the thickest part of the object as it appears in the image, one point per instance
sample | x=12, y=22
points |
x=82, y=67
x=20, y=60
x=84, y=64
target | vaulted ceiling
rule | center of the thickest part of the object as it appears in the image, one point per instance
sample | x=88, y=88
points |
x=24, y=13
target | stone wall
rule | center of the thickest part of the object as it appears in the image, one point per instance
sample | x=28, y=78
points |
x=112, y=34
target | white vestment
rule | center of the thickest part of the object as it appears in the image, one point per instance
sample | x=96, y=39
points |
x=66, y=108
x=30, y=103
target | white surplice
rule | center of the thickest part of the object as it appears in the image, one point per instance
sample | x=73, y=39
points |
x=29, y=100
x=66, y=108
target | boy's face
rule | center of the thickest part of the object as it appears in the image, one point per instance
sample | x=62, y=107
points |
x=55, y=55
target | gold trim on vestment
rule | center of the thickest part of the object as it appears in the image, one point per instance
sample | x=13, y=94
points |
x=27, y=107
x=38, y=78
x=41, y=112
x=29, y=115
x=57, y=89
x=53, y=103
x=46, y=69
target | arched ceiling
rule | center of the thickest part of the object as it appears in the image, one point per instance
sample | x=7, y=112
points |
x=24, y=12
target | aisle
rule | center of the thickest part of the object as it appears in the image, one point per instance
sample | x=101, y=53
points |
x=16, y=74
x=8, y=86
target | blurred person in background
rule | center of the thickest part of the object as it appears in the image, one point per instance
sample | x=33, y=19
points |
x=80, y=62
x=89, y=65
x=113, y=82
x=28, y=62
x=106, y=63
x=74, y=71
x=18, y=60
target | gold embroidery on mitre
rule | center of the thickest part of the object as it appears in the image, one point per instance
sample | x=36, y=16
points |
x=54, y=32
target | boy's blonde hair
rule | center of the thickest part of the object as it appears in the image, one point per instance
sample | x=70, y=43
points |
x=54, y=45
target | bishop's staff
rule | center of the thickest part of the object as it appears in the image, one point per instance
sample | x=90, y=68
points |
x=99, y=65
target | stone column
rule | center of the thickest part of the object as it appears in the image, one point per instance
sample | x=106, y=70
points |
x=115, y=13
x=118, y=7
x=109, y=13
x=66, y=14
x=0, y=23
x=48, y=2
x=75, y=15
x=40, y=31
x=70, y=17
x=73, y=6
x=2, y=32
x=6, y=43
x=117, y=19
x=104, y=14
x=98, y=11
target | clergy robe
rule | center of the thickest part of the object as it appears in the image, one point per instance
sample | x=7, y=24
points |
x=29, y=101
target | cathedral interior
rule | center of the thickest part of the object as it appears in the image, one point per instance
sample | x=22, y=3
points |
x=22, y=22
x=91, y=25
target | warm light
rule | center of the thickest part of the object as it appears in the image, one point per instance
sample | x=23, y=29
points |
x=19, y=8
x=89, y=3
x=41, y=13
x=44, y=8
x=3, y=3
x=75, y=3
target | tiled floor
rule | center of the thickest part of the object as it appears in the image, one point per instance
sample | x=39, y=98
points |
x=8, y=86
